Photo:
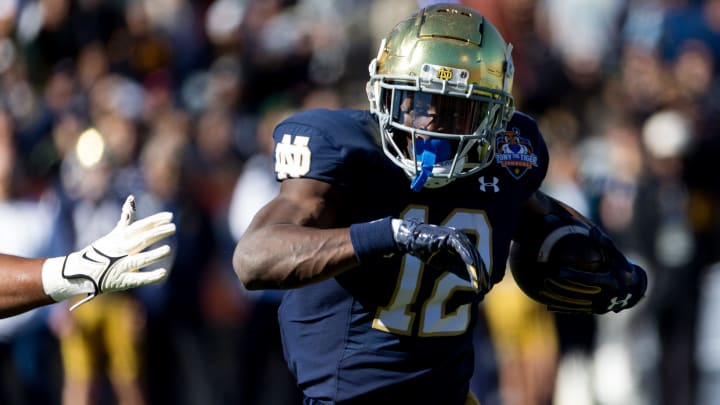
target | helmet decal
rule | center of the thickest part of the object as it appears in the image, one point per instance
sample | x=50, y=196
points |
x=515, y=153
x=444, y=73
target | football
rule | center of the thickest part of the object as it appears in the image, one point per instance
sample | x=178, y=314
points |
x=553, y=244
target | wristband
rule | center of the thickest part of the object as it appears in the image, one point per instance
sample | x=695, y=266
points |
x=59, y=287
x=373, y=239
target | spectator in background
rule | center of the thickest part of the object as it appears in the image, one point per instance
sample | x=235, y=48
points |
x=176, y=369
x=567, y=361
x=525, y=340
x=102, y=340
x=699, y=104
x=123, y=142
x=690, y=21
x=27, y=350
x=666, y=243
x=611, y=163
x=261, y=353
x=213, y=152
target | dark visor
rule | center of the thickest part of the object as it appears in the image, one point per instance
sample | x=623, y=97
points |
x=451, y=115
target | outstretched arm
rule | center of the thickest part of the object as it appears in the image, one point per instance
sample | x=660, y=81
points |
x=109, y=264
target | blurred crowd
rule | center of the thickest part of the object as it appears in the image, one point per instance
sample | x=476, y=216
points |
x=175, y=101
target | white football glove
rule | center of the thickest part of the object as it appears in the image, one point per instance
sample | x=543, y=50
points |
x=111, y=262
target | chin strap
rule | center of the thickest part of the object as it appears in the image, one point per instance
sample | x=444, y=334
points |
x=427, y=152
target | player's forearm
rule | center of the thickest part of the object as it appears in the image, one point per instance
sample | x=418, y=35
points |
x=21, y=288
x=285, y=256
x=541, y=204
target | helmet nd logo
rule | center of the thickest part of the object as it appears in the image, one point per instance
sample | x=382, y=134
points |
x=444, y=73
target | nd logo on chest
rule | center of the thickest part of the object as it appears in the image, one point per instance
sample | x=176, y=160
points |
x=292, y=156
x=515, y=153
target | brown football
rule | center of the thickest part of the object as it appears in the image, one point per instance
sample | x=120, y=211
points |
x=577, y=251
x=553, y=244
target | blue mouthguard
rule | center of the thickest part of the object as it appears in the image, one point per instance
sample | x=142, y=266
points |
x=428, y=151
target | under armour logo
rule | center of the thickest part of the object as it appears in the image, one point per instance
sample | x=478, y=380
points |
x=619, y=303
x=484, y=185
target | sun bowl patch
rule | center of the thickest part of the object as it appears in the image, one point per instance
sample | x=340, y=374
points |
x=515, y=153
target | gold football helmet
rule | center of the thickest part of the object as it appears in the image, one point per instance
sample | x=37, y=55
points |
x=441, y=88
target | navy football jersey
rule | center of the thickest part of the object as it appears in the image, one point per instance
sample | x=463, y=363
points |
x=393, y=329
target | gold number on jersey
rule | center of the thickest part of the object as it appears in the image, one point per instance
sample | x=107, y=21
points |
x=397, y=317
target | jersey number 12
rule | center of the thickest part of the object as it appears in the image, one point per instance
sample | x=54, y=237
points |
x=397, y=317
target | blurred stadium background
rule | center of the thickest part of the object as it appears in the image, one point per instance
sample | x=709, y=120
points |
x=174, y=101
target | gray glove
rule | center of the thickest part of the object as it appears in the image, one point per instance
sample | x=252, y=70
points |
x=444, y=248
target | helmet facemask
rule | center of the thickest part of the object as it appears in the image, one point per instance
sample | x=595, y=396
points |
x=419, y=120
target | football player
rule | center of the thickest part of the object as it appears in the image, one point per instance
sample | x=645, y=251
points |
x=108, y=264
x=392, y=224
